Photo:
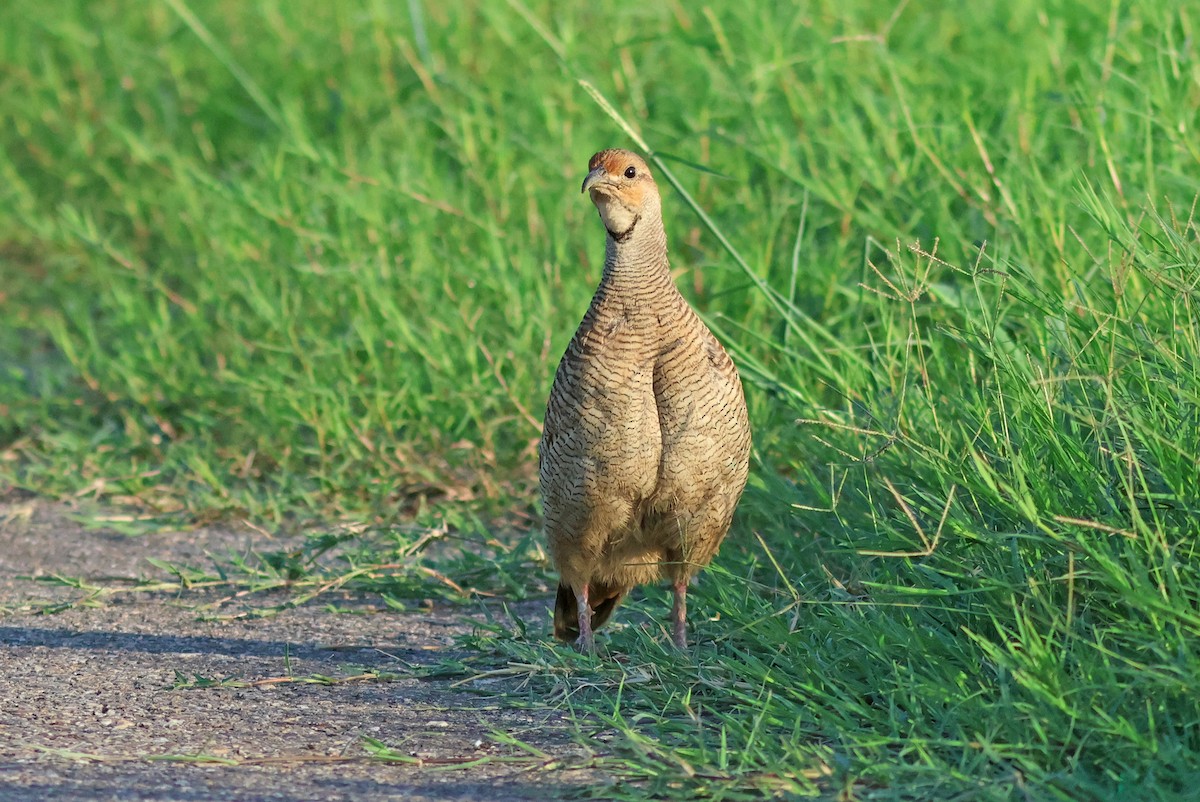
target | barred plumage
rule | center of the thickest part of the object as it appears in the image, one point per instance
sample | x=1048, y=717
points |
x=646, y=443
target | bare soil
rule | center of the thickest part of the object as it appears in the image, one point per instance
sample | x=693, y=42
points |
x=88, y=708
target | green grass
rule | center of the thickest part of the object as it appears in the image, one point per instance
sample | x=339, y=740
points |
x=309, y=261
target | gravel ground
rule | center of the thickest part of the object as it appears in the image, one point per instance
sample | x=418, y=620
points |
x=87, y=709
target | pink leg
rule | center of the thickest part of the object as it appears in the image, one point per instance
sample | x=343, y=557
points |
x=679, y=614
x=586, y=642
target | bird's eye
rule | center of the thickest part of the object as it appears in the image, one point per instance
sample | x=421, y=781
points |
x=631, y=172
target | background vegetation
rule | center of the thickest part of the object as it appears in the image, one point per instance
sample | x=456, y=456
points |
x=309, y=261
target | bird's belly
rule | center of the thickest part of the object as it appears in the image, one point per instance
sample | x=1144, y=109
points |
x=631, y=558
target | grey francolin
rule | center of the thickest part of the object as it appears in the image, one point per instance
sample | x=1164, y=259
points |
x=646, y=443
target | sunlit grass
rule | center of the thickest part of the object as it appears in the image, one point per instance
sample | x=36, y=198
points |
x=306, y=263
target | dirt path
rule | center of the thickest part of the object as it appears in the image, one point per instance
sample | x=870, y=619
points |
x=88, y=711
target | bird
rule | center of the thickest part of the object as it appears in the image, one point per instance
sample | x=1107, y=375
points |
x=645, y=445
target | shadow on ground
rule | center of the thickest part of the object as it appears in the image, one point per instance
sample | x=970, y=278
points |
x=141, y=699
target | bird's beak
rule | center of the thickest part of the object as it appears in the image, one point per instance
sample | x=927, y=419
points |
x=597, y=176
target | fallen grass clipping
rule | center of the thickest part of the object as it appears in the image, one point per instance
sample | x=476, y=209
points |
x=317, y=262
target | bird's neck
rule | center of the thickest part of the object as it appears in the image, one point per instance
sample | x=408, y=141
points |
x=638, y=259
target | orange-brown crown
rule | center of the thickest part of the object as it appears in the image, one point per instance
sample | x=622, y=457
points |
x=617, y=160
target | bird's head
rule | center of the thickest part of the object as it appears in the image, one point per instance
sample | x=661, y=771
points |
x=620, y=184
